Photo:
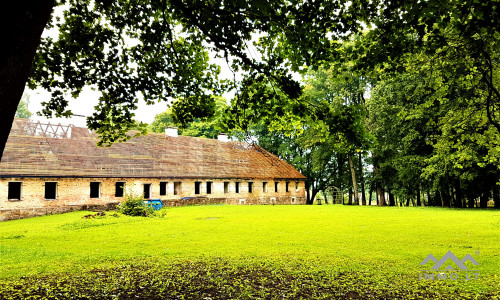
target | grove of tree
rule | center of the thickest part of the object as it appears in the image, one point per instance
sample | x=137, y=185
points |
x=397, y=97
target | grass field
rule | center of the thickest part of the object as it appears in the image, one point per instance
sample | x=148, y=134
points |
x=249, y=252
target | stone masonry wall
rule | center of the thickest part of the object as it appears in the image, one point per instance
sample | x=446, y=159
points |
x=74, y=193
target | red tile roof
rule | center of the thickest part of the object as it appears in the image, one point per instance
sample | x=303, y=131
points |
x=36, y=150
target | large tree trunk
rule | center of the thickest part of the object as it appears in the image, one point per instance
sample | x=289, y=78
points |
x=392, y=202
x=22, y=23
x=483, y=201
x=380, y=195
x=354, y=185
x=362, y=180
x=308, y=193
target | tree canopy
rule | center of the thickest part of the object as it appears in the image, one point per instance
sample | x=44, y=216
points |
x=430, y=68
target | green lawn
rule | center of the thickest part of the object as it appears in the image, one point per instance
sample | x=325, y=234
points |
x=328, y=250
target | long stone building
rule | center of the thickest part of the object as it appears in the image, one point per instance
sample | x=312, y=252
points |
x=54, y=168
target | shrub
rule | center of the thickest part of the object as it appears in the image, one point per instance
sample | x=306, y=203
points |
x=134, y=206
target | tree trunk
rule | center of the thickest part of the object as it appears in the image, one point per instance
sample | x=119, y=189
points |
x=445, y=197
x=483, y=201
x=471, y=203
x=496, y=196
x=308, y=193
x=362, y=180
x=22, y=23
x=380, y=195
x=391, y=197
x=371, y=193
x=419, y=203
x=353, y=177
x=350, y=196
x=458, y=194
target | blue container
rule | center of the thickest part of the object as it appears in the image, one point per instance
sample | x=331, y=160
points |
x=155, y=203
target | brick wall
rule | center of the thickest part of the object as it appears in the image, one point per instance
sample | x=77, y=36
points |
x=74, y=193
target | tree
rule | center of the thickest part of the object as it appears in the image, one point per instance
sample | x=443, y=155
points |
x=207, y=128
x=22, y=109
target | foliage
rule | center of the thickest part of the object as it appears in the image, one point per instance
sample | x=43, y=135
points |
x=204, y=127
x=134, y=205
x=22, y=109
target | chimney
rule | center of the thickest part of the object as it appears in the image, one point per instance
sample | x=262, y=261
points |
x=171, y=131
x=223, y=137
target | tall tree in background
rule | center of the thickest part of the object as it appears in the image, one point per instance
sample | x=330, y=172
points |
x=22, y=109
x=207, y=128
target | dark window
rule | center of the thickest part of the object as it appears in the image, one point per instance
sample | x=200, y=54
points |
x=237, y=187
x=119, y=189
x=226, y=187
x=94, y=189
x=50, y=190
x=276, y=187
x=296, y=185
x=197, y=187
x=163, y=188
x=286, y=186
x=177, y=188
x=147, y=190
x=250, y=187
x=264, y=187
x=14, y=191
x=209, y=187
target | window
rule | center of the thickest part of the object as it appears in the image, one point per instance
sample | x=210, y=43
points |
x=197, y=187
x=276, y=187
x=264, y=187
x=163, y=188
x=50, y=190
x=209, y=187
x=293, y=200
x=14, y=191
x=237, y=187
x=250, y=187
x=147, y=190
x=177, y=188
x=286, y=186
x=226, y=187
x=296, y=185
x=119, y=189
x=95, y=189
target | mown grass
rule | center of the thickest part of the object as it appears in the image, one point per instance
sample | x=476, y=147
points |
x=249, y=252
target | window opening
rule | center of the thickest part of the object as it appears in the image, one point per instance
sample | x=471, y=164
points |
x=50, y=190
x=147, y=190
x=14, y=191
x=163, y=188
x=177, y=188
x=95, y=189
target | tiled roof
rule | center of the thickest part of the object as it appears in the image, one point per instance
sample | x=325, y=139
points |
x=35, y=150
